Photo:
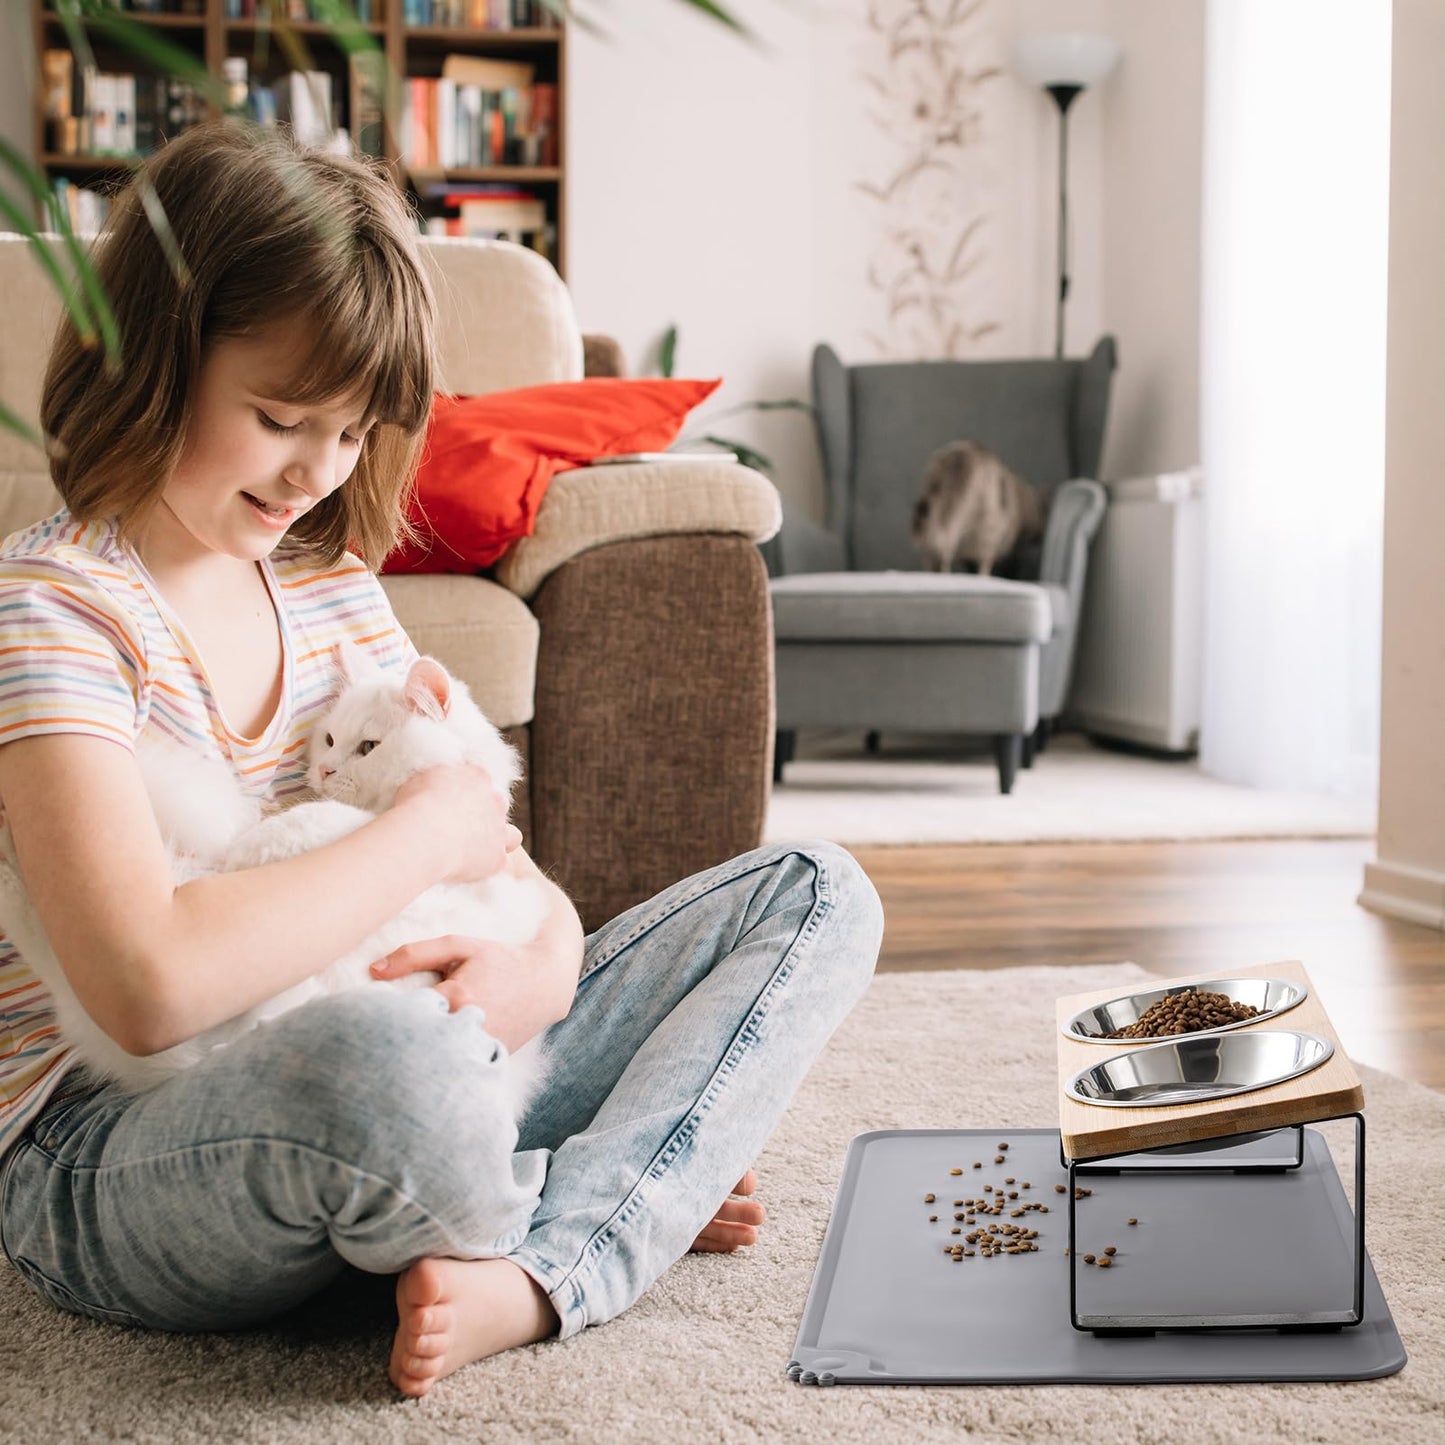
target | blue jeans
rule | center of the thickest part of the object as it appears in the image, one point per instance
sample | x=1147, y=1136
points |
x=367, y=1129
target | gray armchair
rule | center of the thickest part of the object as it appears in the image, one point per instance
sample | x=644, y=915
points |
x=865, y=637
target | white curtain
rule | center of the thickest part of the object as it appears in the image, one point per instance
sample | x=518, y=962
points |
x=1292, y=422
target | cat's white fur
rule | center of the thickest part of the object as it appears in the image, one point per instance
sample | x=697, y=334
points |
x=210, y=826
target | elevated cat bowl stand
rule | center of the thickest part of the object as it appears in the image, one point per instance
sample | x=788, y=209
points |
x=1212, y=1172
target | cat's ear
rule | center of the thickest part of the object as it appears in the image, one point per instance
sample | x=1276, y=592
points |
x=428, y=691
x=352, y=662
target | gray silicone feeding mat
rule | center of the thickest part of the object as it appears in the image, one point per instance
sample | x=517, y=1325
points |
x=889, y=1306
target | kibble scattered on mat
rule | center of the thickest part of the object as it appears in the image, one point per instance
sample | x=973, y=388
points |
x=1185, y=1013
x=985, y=1241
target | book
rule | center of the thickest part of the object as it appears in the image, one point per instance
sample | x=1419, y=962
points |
x=488, y=73
x=303, y=100
x=499, y=215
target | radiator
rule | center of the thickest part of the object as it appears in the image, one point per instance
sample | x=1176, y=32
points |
x=1138, y=669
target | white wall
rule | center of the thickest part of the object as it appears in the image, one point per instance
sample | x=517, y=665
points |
x=1152, y=185
x=1409, y=877
x=714, y=185
x=717, y=186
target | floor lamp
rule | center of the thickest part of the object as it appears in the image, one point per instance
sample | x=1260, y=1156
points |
x=1064, y=65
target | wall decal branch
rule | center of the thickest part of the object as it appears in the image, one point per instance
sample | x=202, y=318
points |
x=926, y=86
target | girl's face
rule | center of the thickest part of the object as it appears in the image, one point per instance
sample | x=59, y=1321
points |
x=252, y=462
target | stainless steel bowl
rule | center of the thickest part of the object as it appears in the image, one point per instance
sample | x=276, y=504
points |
x=1271, y=996
x=1197, y=1067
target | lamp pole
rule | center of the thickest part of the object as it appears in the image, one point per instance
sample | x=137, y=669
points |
x=1063, y=97
x=1065, y=65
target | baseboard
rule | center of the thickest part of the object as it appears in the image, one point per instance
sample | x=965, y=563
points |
x=1414, y=894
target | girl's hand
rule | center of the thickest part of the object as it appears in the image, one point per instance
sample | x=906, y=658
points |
x=470, y=815
x=504, y=980
x=736, y=1222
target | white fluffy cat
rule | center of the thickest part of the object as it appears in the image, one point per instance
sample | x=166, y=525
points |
x=378, y=732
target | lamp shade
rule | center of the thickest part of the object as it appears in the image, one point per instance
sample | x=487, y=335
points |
x=1065, y=58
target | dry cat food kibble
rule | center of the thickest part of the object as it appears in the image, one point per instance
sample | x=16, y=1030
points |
x=1185, y=1013
x=987, y=1241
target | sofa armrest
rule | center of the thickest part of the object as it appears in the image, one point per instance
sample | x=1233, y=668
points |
x=597, y=506
x=651, y=746
x=1074, y=517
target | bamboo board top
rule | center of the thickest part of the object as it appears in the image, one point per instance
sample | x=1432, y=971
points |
x=1091, y=1130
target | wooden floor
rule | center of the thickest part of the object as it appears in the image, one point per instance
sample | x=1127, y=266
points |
x=1177, y=908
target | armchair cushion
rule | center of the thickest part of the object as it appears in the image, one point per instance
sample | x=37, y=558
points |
x=488, y=459
x=843, y=607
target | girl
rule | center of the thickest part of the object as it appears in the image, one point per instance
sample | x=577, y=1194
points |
x=277, y=377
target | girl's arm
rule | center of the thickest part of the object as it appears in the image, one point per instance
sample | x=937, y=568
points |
x=522, y=988
x=153, y=964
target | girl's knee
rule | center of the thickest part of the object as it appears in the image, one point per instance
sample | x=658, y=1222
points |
x=852, y=916
x=381, y=1069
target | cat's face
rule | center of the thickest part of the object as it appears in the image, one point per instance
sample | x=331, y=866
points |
x=354, y=746
x=381, y=730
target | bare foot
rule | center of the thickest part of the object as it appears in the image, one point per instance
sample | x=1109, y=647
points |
x=451, y=1312
x=736, y=1223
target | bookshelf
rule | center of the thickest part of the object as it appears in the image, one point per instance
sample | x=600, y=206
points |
x=475, y=132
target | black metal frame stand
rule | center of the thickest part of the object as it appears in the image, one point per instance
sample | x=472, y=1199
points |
x=1192, y=1158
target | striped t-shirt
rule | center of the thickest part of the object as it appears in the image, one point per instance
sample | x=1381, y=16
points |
x=88, y=645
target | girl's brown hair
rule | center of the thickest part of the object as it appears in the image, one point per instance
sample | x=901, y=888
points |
x=267, y=231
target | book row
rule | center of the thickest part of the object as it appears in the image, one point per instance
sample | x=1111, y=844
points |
x=89, y=111
x=454, y=14
x=449, y=126
x=490, y=213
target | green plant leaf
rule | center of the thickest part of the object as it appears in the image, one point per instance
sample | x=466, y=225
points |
x=89, y=281
x=145, y=42
x=790, y=403
x=724, y=17
x=347, y=31
x=12, y=423
x=748, y=456
x=667, y=352
x=64, y=285
x=783, y=404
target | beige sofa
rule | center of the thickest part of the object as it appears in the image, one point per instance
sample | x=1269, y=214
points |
x=626, y=646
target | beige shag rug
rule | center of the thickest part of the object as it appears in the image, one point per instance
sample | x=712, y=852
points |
x=701, y=1358
x=920, y=791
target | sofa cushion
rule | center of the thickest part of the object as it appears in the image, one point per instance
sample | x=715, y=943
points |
x=25, y=499
x=481, y=632
x=907, y=606
x=488, y=459
x=594, y=506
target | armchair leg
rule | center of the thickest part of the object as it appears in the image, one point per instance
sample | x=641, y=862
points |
x=1042, y=734
x=1030, y=747
x=784, y=744
x=1007, y=749
x=872, y=742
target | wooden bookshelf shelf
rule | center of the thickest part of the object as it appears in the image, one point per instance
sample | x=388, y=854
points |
x=532, y=175
x=297, y=27
x=444, y=34
x=160, y=21
x=447, y=106
x=53, y=160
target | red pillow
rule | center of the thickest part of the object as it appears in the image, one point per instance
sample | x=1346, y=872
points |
x=488, y=459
